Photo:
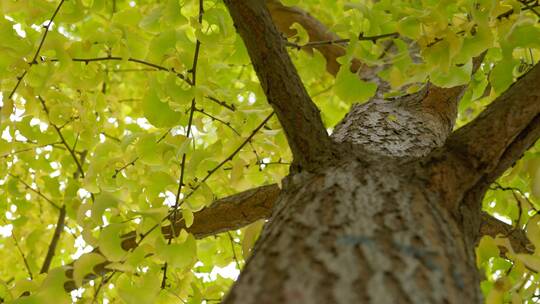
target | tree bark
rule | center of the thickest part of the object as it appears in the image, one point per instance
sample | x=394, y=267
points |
x=360, y=232
x=299, y=116
x=394, y=219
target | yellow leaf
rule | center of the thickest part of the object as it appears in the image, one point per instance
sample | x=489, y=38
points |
x=533, y=231
x=251, y=233
x=85, y=265
x=531, y=261
x=187, y=214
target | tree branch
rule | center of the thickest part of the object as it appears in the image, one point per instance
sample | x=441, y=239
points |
x=54, y=241
x=329, y=44
x=229, y=213
x=63, y=140
x=36, y=54
x=188, y=134
x=517, y=237
x=48, y=200
x=483, y=149
x=284, y=17
x=284, y=90
x=498, y=127
x=25, y=260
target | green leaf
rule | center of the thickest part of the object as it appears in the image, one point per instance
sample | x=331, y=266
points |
x=84, y=265
x=531, y=261
x=535, y=182
x=502, y=75
x=139, y=291
x=172, y=15
x=110, y=242
x=410, y=27
x=188, y=217
x=533, y=231
x=350, y=88
x=251, y=233
x=178, y=255
x=102, y=202
x=485, y=250
x=158, y=112
x=525, y=35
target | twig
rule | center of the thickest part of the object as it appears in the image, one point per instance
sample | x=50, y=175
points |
x=361, y=37
x=230, y=127
x=111, y=137
x=500, y=187
x=64, y=142
x=233, y=251
x=130, y=59
x=133, y=70
x=526, y=7
x=28, y=149
x=162, y=137
x=245, y=142
x=26, y=265
x=35, y=191
x=227, y=124
x=47, y=28
x=54, y=242
x=222, y=103
x=131, y=163
x=260, y=163
x=188, y=133
x=144, y=235
x=518, y=202
x=531, y=8
x=103, y=281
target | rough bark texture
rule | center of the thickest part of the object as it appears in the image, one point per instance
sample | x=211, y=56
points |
x=361, y=232
x=396, y=218
x=409, y=126
x=284, y=90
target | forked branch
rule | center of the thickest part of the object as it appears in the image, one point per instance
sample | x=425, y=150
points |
x=298, y=115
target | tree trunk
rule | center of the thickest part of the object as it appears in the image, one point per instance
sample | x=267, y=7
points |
x=365, y=231
x=387, y=210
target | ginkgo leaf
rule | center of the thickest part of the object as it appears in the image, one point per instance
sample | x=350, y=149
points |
x=85, y=265
x=110, y=242
x=102, y=202
x=533, y=231
x=485, y=250
x=141, y=291
x=531, y=261
x=350, y=88
x=251, y=233
x=178, y=255
x=535, y=182
x=188, y=217
x=502, y=75
x=158, y=112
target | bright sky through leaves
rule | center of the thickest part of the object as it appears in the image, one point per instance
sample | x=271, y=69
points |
x=106, y=108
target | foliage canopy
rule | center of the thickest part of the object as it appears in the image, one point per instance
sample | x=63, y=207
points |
x=116, y=113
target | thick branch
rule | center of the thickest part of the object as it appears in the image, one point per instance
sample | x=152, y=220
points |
x=488, y=137
x=285, y=92
x=479, y=152
x=493, y=227
x=229, y=213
